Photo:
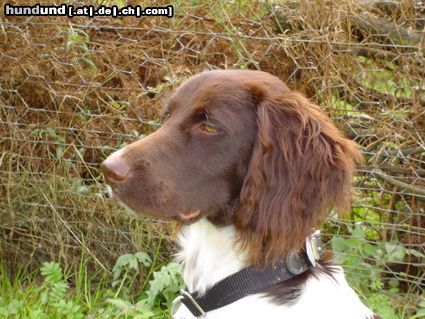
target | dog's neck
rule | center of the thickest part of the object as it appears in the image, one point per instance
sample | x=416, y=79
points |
x=208, y=254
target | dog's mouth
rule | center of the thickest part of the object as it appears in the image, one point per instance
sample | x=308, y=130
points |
x=185, y=217
x=189, y=216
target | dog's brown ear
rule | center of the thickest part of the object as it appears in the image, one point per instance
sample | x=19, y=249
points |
x=300, y=167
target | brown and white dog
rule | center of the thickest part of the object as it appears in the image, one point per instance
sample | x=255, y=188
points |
x=249, y=168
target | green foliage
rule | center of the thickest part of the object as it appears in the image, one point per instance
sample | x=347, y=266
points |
x=55, y=293
x=361, y=259
x=78, y=43
x=386, y=79
x=420, y=313
x=51, y=272
x=163, y=287
x=129, y=264
x=340, y=106
x=48, y=300
x=11, y=309
x=382, y=304
x=365, y=261
x=139, y=310
x=57, y=138
x=166, y=283
x=53, y=298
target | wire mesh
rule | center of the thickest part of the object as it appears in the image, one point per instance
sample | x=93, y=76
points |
x=74, y=90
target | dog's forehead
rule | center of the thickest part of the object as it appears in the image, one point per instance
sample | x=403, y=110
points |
x=211, y=84
x=202, y=89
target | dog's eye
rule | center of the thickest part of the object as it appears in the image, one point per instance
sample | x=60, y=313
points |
x=165, y=116
x=207, y=128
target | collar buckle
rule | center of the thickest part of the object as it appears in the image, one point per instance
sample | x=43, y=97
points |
x=314, y=247
x=248, y=281
x=179, y=300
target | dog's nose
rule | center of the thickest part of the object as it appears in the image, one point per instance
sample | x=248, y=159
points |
x=115, y=170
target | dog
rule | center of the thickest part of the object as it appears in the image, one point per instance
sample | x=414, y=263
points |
x=248, y=168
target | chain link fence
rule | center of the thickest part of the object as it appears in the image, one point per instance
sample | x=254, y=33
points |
x=74, y=90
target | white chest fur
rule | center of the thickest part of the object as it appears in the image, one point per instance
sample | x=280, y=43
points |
x=209, y=254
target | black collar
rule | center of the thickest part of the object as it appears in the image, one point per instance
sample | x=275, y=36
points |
x=251, y=280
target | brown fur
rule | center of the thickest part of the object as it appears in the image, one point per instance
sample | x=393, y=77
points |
x=274, y=168
x=300, y=167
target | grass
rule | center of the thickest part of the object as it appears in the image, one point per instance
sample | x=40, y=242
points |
x=141, y=287
x=30, y=296
x=51, y=292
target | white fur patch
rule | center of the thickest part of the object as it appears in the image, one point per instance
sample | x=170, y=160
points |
x=209, y=254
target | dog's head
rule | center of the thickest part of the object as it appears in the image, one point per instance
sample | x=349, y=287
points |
x=238, y=147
